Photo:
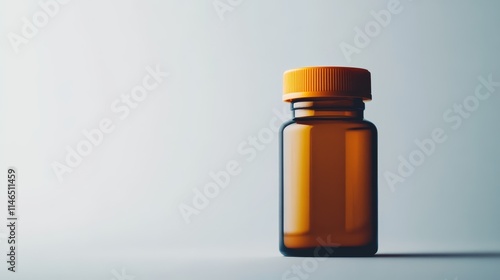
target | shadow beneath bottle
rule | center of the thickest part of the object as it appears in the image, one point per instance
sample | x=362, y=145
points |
x=440, y=255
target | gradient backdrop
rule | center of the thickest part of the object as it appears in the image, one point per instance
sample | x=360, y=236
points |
x=66, y=67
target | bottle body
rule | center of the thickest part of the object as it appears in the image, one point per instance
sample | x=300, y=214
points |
x=328, y=184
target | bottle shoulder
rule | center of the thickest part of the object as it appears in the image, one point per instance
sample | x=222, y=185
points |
x=354, y=123
x=370, y=124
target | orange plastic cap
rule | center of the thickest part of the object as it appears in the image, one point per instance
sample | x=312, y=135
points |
x=326, y=82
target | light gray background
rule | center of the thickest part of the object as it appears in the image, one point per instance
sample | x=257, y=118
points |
x=118, y=210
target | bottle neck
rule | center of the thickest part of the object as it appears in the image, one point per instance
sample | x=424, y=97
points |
x=337, y=108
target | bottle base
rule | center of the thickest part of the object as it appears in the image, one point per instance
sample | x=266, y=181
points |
x=325, y=252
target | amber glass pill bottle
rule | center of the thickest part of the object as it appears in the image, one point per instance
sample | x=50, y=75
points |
x=328, y=162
